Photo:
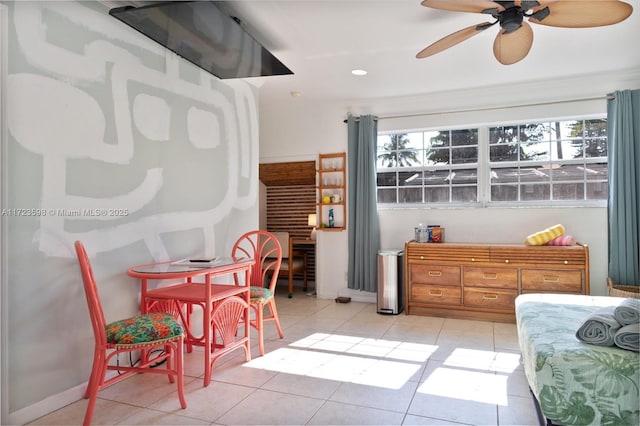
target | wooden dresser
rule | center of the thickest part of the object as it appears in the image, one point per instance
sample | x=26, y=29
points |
x=481, y=281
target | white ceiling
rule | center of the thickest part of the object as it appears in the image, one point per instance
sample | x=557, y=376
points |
x=322, y=41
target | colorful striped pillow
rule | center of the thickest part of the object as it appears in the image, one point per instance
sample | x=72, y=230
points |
x=563, y=240
x=543, y=237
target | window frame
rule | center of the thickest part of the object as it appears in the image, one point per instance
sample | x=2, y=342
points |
x=484, y=167
x=422, y=168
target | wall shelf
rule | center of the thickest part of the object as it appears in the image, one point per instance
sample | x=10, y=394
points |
x=332, y=192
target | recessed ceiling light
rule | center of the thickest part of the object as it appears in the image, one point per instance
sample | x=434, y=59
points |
x=358, y=72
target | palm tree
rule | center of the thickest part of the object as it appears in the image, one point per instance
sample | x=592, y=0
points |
x=396, y=152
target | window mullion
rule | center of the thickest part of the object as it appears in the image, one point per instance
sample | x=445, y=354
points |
x=484, y=169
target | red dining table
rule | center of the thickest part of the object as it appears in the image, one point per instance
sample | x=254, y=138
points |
x=180, y=297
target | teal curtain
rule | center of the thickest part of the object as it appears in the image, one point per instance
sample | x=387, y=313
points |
x=623, y=124
x=362, y=220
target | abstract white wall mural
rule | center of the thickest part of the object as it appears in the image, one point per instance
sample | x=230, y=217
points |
x=119, y=143
x=95, y=100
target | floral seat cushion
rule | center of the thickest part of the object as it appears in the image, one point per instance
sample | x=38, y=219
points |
x=143, y=329
x=259, y=294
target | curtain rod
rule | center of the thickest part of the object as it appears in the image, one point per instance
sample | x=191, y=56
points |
x=608, y=97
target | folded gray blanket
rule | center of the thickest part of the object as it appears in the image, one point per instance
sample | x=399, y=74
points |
x=628, y=312
x=628, y=337
x=599, y=328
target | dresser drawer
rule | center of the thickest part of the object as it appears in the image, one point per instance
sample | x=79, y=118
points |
x=490, y=298
x=490, y=277
x=446, y=252
x=434, y=274
x=440, y=295
x=551, y=280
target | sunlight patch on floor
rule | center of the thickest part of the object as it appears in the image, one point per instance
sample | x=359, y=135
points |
x=468, y=374
x=483, y=360
x=388, y=374
x=483, y=387
x=375, y=362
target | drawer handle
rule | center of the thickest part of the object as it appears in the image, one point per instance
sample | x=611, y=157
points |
x=421, y=257
x=435, y=293
x=489, y=296
x=435, y=273
x=550, y=279
x=489, y=276
x=566, y=262
x=473, y=259
x=506, y=261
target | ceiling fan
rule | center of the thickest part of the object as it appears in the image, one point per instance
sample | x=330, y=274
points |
x=515, y=37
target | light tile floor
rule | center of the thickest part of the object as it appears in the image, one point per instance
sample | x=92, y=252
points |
x=338, y=364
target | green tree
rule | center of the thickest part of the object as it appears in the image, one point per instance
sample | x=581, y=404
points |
x=594, y=133
x=396, y=152
x=507, y=142
x=466, y=140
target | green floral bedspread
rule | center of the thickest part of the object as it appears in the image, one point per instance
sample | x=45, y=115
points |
x=575, y=383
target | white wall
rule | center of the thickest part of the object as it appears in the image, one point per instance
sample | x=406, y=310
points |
x=99, y=117
x=500, y=225
x=3, y=273
x=292, y=128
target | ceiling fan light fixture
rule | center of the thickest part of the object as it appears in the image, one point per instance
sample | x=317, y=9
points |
x=511, y=19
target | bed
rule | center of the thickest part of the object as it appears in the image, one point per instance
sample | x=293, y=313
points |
x=575, y=383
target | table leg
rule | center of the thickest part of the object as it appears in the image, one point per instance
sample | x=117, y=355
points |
x=206, y=330
x=185, y=310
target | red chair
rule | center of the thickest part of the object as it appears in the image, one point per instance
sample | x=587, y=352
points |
x=226, y=317
x=142, y=333
x=264, y=248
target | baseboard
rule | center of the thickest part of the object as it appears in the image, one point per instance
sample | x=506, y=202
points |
x=47, y=405
x=50, y=404
x=355, y=295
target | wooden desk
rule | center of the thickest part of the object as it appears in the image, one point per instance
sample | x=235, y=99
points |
x=179, y=299
x=302, y=241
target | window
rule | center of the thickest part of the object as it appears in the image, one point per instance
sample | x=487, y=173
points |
x=556, y=162
x=428, y=167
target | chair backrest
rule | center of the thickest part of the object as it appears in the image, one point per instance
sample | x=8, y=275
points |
x=265, y=248
x=91, y=291
x=283, y=239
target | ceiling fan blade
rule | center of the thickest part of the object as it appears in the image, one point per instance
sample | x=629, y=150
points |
x=473, y=6
x=581, y=14
x=509, y=48
x=452, y=39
